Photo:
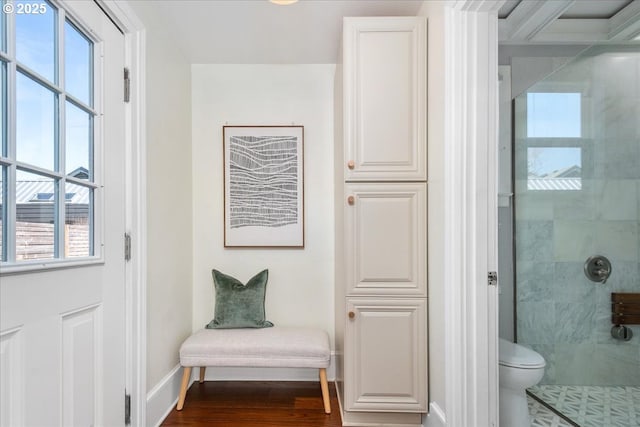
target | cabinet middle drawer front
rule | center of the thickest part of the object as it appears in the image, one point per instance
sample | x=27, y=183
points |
x=385, y=99
x=386, y=239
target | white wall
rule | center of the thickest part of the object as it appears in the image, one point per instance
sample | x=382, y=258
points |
x=300, y=287
x=169, y=242
x=434, y=11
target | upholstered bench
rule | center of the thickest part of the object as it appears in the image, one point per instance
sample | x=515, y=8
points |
x=263, y=347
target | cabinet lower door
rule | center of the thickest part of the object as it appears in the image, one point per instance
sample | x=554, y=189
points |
x=386, y=355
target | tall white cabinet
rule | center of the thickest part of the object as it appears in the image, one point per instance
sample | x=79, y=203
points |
x=381, y=222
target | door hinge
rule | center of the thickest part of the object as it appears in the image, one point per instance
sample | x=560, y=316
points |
x=127, y=409
x=127, y=247
x=127, y=85
x=493, y=278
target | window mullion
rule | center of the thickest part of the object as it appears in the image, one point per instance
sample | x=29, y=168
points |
x=60, y=143
x=39, y=79
x=81, y=105
x=38, y=170
x=60, y=163
x=59, y=234
x=10, y=202
x=96, y=155
x=10, y=209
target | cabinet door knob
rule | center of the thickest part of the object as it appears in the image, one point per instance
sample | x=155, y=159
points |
x=351, y=200
x=351, y=164
x=352, y=315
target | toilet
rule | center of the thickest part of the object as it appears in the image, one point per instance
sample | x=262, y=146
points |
x=519, y=369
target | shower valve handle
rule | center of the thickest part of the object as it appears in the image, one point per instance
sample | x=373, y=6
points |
x=597, y=269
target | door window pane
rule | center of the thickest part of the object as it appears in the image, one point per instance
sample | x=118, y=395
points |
x=3, y=222
x=3, y=109
x=36, y=37
x=78, y=60
x=78, y=140
x=78, y=221
x=47, y=142
x=35, y=216
x=3, y=28
x=35, y=123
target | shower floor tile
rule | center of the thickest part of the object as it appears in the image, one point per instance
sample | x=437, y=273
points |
x=541, y=416
x=593, y=406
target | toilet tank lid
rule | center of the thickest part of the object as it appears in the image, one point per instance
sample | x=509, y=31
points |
x=518, y=356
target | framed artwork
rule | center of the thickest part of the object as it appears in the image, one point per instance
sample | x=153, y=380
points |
x=263, y=186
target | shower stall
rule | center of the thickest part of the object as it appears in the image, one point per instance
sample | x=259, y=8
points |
x=576, y=234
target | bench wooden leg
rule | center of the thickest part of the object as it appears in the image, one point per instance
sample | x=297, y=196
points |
x=202, y=371
x=325, y=391
x=186, y=376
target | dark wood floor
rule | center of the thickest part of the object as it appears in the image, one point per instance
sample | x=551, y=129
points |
x=256, y=403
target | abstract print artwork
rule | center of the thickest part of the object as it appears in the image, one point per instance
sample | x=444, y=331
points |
x=264, y=198
x=263, y=181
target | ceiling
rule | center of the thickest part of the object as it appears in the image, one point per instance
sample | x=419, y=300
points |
x=309, y=32
x=568, y=21
x=582, y=9
x=259, y=32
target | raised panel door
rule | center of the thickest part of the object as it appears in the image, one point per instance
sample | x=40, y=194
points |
x=385, y=99
x=385, y=357
x=386, y=239
x=62, y=330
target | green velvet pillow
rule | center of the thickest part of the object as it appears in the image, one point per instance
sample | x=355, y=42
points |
x=238, y=305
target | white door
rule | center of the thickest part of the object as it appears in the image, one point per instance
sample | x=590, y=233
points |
x=62, y=294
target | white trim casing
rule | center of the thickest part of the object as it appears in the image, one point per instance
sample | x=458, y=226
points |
x=471, y=139
x=137, y=226
x=136, y=171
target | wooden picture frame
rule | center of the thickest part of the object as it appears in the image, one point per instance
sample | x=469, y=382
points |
x=263, y=186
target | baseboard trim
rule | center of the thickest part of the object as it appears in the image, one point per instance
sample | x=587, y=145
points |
x=435, y=417
x=380, y=419
x=163, y=397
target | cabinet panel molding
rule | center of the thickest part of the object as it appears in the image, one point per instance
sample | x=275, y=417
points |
x=381, y=221
x=385, y=99
x=386, y=239
x=386, y=366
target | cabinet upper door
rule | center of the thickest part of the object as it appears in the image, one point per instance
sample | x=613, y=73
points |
x=385, y=99
x=386, y=238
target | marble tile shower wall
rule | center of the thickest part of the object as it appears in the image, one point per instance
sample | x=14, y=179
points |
x=560, y=313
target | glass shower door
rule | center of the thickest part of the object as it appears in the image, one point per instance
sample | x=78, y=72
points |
x=577, y=195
